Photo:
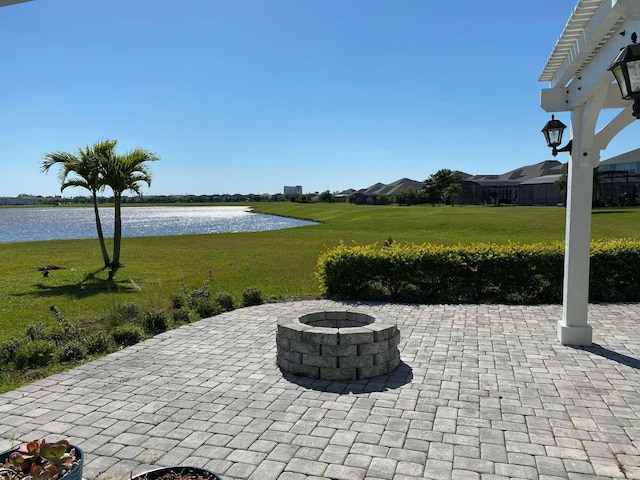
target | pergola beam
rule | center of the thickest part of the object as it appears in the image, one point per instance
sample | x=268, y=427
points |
x=578, y=40
x=591, y=23
x=591, y=75
x=557, y=99
x=615, y=126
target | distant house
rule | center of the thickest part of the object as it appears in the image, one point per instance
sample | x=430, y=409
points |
x=543, y=190
x=528, y=185
x=627, y=162
x=619, y=183
x=344, y=196
x=374, y=192
x=620, y=178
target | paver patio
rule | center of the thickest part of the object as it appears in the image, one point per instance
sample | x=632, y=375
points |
x=483, y=392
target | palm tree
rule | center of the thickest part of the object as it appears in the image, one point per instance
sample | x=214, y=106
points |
x=122, y=173
x=82, y=170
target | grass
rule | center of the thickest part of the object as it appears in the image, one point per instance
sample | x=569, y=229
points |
x=280, y=263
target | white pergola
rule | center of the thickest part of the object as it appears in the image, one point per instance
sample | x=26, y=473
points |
x=581, y=84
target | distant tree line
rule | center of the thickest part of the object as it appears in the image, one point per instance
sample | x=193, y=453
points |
x=440, y=188
x=300, y=197
x=80, y=199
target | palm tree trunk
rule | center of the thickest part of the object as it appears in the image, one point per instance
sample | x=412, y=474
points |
x=103, y=247
x=117, y=233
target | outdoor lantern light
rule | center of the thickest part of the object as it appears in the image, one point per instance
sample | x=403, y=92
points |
x=626, y=69
x=552, y=132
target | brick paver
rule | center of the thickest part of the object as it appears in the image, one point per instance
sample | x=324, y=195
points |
x=483, y=392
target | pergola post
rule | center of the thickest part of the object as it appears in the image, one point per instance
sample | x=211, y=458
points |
x=573, y=328
x=581, y=84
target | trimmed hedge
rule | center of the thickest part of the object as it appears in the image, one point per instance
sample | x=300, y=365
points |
x=480, y=273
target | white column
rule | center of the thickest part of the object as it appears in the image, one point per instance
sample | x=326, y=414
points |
x=573, y=329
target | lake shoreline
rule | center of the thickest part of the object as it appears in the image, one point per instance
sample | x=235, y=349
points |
x=20, y=225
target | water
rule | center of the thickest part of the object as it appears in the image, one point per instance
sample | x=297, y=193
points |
x=29, y=224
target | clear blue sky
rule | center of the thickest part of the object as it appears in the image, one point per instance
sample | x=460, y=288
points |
x=246, y=96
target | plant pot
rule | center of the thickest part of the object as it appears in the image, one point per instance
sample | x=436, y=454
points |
x=178, y=473
x=74, y=474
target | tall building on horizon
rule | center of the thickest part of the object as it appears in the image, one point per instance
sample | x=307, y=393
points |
x=297, y=190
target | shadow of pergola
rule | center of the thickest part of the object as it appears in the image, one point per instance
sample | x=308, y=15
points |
x=609, y=354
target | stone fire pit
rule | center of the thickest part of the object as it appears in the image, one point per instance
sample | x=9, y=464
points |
x=338, y=344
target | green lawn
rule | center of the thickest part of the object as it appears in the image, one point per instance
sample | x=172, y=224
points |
x=280, y=263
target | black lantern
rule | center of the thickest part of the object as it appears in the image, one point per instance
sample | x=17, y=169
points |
x=552, y=132
x=626, y=69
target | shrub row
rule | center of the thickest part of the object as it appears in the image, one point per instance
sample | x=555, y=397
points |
x=480, y=273
x=199, y=302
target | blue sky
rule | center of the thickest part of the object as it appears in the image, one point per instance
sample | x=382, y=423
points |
x=246, y=96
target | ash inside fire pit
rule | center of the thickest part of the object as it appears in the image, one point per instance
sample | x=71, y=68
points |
x=338, y=345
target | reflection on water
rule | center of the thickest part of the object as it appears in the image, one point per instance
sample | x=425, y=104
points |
x=27, y=224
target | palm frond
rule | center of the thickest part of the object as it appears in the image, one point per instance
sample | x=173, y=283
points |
x=77, y=182
x=56, y=158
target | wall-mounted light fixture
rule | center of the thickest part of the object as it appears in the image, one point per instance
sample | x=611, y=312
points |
x=626, y=69
x=552, y=132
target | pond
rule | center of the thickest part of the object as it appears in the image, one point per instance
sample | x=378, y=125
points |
x=62, y=223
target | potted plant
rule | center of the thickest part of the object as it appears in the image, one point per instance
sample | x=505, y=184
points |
x=178, y=473
x=39, y=460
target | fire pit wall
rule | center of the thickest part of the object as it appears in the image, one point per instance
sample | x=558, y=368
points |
x=338, y=345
